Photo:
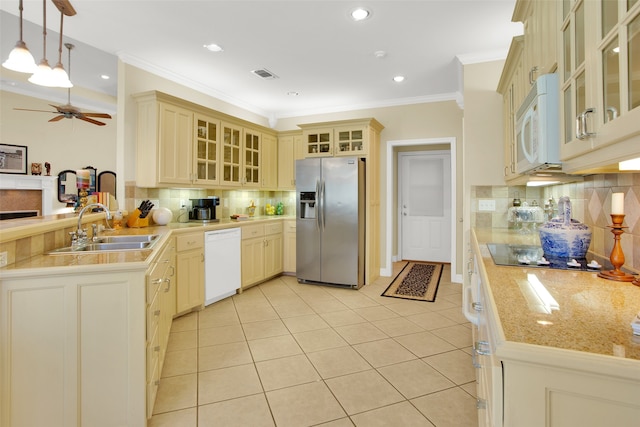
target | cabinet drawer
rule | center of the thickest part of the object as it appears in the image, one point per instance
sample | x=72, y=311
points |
x=187, y=242
x=153, y=284
x=251, y=231
x=273, y=228
x=153, y=317
x=153, y=355
x=290, y=226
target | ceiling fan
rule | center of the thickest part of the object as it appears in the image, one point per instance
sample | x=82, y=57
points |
x=68, y=111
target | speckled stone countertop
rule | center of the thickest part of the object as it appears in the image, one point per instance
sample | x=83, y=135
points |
x=586, y=313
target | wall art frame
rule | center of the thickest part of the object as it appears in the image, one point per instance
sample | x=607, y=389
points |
x=13, y=159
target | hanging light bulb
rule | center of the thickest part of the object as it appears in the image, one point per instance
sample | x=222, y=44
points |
x=20, y=59
x=43, y=74
x=59, y=76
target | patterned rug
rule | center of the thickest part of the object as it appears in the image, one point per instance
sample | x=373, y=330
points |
x=417, y=281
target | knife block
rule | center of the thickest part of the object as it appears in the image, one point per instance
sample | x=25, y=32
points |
x=134, y=220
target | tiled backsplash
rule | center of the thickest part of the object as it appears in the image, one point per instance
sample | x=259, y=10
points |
x=590, y=202
x=231, y=201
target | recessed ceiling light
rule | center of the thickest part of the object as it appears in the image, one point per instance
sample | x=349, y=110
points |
x=398, y=79
x=379, y=54
x=214, y=47
x=360, y=14
x=293, y=93
x=104, y=77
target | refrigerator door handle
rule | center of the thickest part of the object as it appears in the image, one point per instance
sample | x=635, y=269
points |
x=323, y=222
x=318, y=204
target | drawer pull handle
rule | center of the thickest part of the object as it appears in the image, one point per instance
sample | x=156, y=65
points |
x=477, y=306
x=156, y=348
x=481, y=404
x=482, y=348
x=156, y=281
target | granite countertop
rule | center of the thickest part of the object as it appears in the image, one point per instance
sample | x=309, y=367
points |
x=131, y=259
x=574, y=310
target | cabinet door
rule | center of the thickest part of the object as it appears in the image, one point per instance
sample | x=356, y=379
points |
x=190, y=286
x=207, y=150
x=269, y=165
x=289, y=261
x=174, y=145
x=231, y=151
x=252, y=261
x=318, y=143
x=351, y=141
x=251, y=162
x=273, y=251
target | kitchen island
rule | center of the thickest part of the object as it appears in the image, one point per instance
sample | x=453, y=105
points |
x=552, y=347
x=73, y=327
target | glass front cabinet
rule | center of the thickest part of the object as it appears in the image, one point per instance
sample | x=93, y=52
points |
x=207, y=137
x=599, y=69
x=345, y=138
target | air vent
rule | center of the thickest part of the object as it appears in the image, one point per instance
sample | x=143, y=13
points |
x=265, y=74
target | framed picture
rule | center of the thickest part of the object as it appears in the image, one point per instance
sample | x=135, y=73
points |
x=13, y=159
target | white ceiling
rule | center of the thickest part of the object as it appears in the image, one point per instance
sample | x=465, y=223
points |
x=312, y=46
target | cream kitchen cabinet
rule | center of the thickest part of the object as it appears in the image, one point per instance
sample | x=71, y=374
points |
x=72, y=349
x=289, y=261
x=262, y=252
x=345, y=138
x=207, y=151
x=241, y=150
x=190, y=271
x=164, y=146
x=598, y=79
x=512, y=86
x=161, y=307
x=289, y=150
x=269, y=164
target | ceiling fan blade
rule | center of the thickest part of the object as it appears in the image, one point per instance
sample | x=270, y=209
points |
x=39, y=111
x=57, y=118
x=99, y=115
x=95, y=122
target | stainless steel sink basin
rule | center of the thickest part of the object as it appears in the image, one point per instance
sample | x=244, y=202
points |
x=110, y=244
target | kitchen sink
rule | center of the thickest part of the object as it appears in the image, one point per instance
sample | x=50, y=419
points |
x=110, y=244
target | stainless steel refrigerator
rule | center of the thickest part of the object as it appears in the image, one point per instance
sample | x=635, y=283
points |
x=330, y=223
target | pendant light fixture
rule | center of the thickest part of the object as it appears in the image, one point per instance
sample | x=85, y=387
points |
x=43, y=74
x=58, y=74
x=20, y=59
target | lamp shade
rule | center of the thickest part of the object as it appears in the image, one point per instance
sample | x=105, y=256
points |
x=60, y=77
x=20, y=59
x=43, y=75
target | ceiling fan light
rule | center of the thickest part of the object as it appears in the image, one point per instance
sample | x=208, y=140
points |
x=43, y=75
x=20, y=59
x=60, y=77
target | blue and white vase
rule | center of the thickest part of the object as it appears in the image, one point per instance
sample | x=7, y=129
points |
x=563, y=236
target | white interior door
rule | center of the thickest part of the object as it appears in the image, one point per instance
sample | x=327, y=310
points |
x=425, y=206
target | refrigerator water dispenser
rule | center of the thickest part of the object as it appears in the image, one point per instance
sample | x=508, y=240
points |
x=308, y=204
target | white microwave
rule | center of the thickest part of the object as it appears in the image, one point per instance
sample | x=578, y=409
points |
x=537, y=130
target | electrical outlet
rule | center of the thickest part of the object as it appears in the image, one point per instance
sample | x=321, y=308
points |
x=486, y=205
x=3, y=259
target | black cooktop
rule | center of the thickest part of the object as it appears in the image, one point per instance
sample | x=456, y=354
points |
x=533, y=256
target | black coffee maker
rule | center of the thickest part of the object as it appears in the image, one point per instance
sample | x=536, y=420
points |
x=204, y=210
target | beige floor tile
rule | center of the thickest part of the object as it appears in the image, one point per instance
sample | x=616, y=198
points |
x=360, y=332
x=431, y=320
x=415, y=378
x=455, y=365
x=182, y=340
x=354, y=299
x=286, y=372
x=309, y=322
x=454, y=314
x=220, y=335
x=245, y=411
x=180, y=362
x=327, y=305
x=471, y=388
x=320, y=339
x=292, y=310
x=176, y=393
x=383, y=352
x=424, y=344
x=458, y=335
x=228, y=383
x=342, y=318
x=407, y=308
x=264, y=329
x=397, y=326
x=304, y=405
x=274, y=347
x=449, y=408
x=378, y=312
x=363, y=391
x=182, y=418
x=342, y=422
x=213, y=319
x=252, y=313
x=399, y=414
x=223, y=355
x=188, y=322
x=338, y=361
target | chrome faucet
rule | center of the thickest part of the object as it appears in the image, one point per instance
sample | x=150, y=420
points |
x=81, y=234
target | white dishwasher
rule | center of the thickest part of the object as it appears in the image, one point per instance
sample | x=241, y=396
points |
x=222, y=264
